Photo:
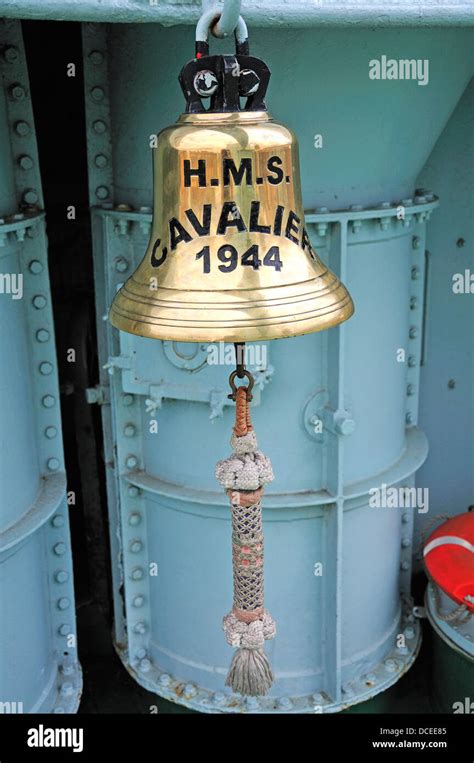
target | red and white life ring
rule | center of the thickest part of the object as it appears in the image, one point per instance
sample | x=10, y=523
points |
x=449, y=558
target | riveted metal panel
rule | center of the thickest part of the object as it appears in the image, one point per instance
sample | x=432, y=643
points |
x=39, y=671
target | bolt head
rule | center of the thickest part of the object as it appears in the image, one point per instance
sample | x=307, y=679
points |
x=145, y=665
x=136, y=546
x=60, y=549
x=165, y=679
x=53, y=464
x=99, y=127
x=96, y=57
x=17, y=92
x=61, y=576
x=102, y=192
x=39, y=302
x=138, y=601
x=100, y=161
x=218, y=698
x=42, y=335
x=133, y=491
x=26, y=162
x=129, y=430
x=140, y=628
x=67, y=689
x=97, y=94
x=190, y=690
x=58, y=521
x=35, y=267
x=30, y=197
x=131, y=462
x=127, y=399
x=50, y=433
x=409, y=633
x=48, y=401
x=121, y=265
x=63, y=603
x=45, y=368
x=134, y=518
x=22, y=129
x=11, y=54
x=64, y=630
x=137, y=574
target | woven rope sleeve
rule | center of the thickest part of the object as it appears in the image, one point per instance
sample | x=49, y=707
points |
x=248, y=625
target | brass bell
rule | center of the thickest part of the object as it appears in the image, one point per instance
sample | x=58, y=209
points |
x=229, y=257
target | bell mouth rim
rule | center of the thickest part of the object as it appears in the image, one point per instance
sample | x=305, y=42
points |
x=227, y=117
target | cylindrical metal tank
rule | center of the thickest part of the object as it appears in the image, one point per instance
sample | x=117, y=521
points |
x=337, y=565
x=39, y=671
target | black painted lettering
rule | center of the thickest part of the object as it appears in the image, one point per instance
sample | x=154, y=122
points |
x=230, y=218
x=229, y=168
x=292, y=228
x=254, y=226
x=157, y=261
x=199, y=172
x=278, y=220
x=274, y=166
x=202, y=228
x=178, y=233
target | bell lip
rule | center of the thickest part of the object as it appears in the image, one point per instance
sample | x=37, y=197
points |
x=225, y=117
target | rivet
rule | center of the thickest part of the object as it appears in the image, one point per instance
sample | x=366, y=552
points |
x=129, y=430
x=409, y=633
x=35, y=267
x=128, y=400
x=133, y=491
x=345, y=426
x=165, y=679
x=63, y=603
x=405, y=517
x=60, y=549
x=67, y=669
x=413, y=333
x=11, y=54
x=39, y=302
x=371, y=678
x=48, y=401
x=52, y=464
x=32, y=231
x=460, y=243
x=50, y=433
x=140, y=628
x=138, y=601
x=64, y=630
x=96, y=57
x=190, y=690
x=42, y=335
x=406, y=543
x=134, y=518
x=409, y=418
x=131, y=462
x=140, y=653
x=57, y=520
x=45, y=368
x=66, y=690
x=61, y=576
x=390, y=665
x=99, y=126
x=413, y=303
x=102, y=192
x=411, y=361
x=251, y=703
x=285, y=703
x=136, y=546
x=405, y=566
x=145, y=665
x=218, y=698
x=137, y=573
x=25, y=162
x=97, y=94
x=451, y=384
x=100, y=161
x=121, y=265
x=22, y=129
x=17, y=92
x=410, y=389
x=30, y=196
x=415, y=273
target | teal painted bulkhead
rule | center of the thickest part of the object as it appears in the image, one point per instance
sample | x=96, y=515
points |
x=336, y=642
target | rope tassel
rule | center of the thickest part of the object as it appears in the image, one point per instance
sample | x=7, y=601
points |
x=248, y=625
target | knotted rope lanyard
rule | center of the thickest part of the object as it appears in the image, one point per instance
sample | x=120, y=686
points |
x=248, y=624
